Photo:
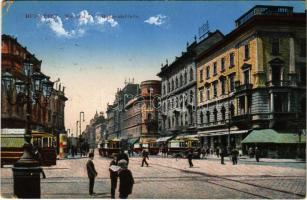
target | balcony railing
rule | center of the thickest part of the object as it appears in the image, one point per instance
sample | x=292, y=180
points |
x=244, y=87
x=278, y=83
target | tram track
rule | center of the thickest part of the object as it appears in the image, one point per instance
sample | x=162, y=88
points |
x=223, y=178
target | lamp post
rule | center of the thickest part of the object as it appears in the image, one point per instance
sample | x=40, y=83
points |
x=26, y=171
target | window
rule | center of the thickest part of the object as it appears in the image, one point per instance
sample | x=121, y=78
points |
x=201, y=75
x=191, y=74
x=241, y=109
x=176, y=82
x=208, y=117
x=222, y=64
x=185, y=77
x=215, y=115
x=280, y=102
x=303, y=48
x=215, y=89
x=201, y=95
x=208, y=72
x=173, y=85
x=208, y=94
x=246, y=52
x=168, y=86
x=223, y=111
x=181, y=80
x=275, y=46
x=232, y=110
x=303, y=75
x=223, y=86
x=246, y=77
x=191, y=96
x=201, y=117
x=214, y=68
x=232, y=82
x=231, y=59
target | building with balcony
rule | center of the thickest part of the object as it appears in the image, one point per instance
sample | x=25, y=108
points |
x=178, y=99
x=254, y=78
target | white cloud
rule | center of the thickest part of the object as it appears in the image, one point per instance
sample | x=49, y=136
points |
x=56, y=25
x=156, y=20
x=102, y=20
x=85, y=18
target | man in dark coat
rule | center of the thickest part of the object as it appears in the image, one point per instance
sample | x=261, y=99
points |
x=126, y=180
x=122, y=155
x=257, y=154
x=145, y=156
x=113, y=177
x=190, y=156
x=223, y=154
x=234, y=156
x=91, y=173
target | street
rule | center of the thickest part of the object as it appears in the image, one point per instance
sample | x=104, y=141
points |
x=171, y=178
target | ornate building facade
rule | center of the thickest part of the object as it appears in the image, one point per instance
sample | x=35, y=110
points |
x=49, y=116
x=178, y=100
x=254, y=78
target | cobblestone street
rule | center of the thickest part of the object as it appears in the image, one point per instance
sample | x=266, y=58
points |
x=171, y=178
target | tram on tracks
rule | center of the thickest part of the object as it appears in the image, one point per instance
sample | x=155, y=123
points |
x=109, y=147
x=181, y=145
x=12, y=142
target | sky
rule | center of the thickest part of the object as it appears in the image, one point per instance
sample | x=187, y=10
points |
x=94, y=46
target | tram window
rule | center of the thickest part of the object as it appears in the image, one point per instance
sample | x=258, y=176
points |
x=45, y=142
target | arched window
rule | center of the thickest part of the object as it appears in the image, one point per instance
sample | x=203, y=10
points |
x=215, y=114
x=208, y=117
x=201, y=117
x=191, y=74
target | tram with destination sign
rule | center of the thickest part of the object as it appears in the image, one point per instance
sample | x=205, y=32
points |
x=180, y=146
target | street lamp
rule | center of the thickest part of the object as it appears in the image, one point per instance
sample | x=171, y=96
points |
x=26, y=171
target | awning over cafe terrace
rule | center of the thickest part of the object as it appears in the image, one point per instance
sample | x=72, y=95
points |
x=272, y=136
x=164, y=139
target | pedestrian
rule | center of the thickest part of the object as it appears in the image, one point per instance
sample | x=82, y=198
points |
x=38, y=157
x=144, y=157
x=113, y=175
x=91, y=173
x=203, y=152
x=218, y=151
x=257, y=154
x=126, y=180
x=190, y=156
x=122, y=155
x=223, y=154
x=234, y=156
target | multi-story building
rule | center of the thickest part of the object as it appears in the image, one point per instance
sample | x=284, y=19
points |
x=254, y=78
x=116, y=110
x=140, y=119
x=178, y=100
x=47, y=117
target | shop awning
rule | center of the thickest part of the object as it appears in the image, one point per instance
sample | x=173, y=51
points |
x=191, y=137
x=132, y=141
x=272, y=136
x=164, y=139
x=116, y=140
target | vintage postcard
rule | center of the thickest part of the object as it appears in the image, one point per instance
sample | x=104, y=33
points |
x=153, y=99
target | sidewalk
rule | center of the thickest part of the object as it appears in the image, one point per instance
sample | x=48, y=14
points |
x=267, y=160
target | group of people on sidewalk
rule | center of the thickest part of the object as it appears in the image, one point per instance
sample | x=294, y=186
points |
x=118, y=169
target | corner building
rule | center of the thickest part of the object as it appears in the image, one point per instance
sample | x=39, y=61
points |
x=254, y=79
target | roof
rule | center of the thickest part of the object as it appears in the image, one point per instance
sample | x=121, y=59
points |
x=272, y=136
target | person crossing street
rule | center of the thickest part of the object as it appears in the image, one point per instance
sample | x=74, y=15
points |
x=144, y=157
